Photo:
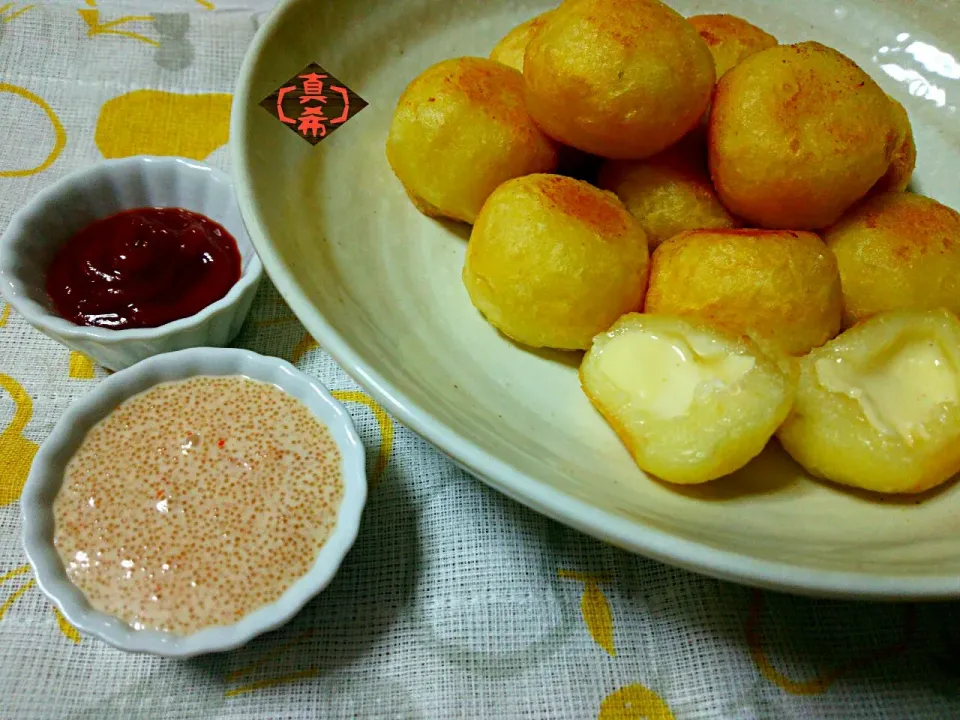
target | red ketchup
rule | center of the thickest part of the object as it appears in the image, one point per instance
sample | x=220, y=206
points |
x=143, y=268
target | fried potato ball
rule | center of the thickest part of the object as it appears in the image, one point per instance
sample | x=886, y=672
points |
x=797, y=134
x=780, y=286
x=511, y=48
x=879, y=407
x=552, y=261
x=690, y=402
x=904, y=162
x=460, y=129
x=668, y=193
x=617, y=78
x=730, y=39
x=897, y=251
x=510, y=51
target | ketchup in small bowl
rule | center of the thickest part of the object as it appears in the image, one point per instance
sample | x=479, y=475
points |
x=143, y=268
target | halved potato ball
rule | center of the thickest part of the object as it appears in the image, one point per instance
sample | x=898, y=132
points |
x=879, y=407
x=897, y=251
x=690, y=402
x=904, y=161
x=668, y=193
x=797, y=134
x=511, y=48
x=552, y=261
x=617, y=78
x=779, y=285
x=460, y=129
x=731, y=39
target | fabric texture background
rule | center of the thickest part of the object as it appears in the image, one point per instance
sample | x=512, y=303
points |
x=455, y=601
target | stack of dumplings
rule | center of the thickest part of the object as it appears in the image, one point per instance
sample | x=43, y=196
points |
x=742, y=258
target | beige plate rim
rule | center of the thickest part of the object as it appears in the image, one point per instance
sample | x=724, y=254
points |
x=519, y=486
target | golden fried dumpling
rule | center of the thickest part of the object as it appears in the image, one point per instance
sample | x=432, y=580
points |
x=617, y=78
x=691, y=403
x=512, y=47
x=552, y=261
x=797, y=134
x=878, y=408
x=731, y=39
x=897, y=251
x=460, y=129
x=668, y=193
x=781, y=286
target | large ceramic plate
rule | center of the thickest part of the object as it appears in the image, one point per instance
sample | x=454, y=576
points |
x=378, y=285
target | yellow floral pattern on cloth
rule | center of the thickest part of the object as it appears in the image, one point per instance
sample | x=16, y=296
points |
x=634, y=702
x=10, y=12
x=820, y=684
x=305, y=345
x=243, y=682
x=117, y=27
x=59, y=134
x=66, y=629
x=16, y=595
x=81, y=367
x=16, y=456
x=156, y=122
x=16, y=451
x=383, y=420
x=271, y=682
x=595, y=608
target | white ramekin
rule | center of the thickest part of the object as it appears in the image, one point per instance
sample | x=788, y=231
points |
x=46, y=477
x=38, y=230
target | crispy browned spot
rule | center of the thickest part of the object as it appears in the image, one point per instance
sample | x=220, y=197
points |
x=585, y=203
x=478, y=81
x=496, y=88
x=917, y=219
x=920, y=224
x=708, y=37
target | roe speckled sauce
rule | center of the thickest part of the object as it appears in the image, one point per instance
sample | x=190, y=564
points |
x=196, y=502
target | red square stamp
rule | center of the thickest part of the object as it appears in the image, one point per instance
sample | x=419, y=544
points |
x=313, y=103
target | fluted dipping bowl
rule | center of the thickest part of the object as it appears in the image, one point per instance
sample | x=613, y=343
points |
x=49, y=467
x=43, y=225
x=378, y=285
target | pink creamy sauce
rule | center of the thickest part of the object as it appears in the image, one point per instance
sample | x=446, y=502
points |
x=197, y=502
